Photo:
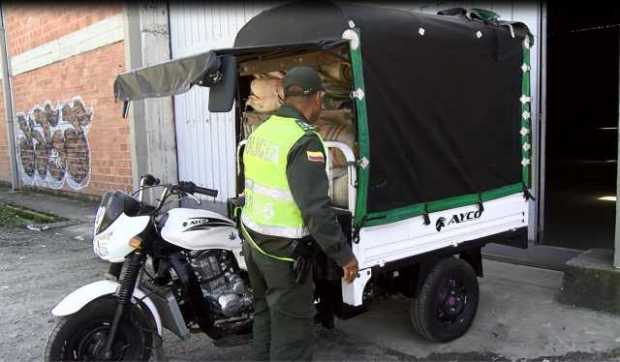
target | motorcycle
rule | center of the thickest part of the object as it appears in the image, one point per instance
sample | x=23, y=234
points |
x=181, y=269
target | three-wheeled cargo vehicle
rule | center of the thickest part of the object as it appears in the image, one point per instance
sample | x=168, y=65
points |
x=427, y=123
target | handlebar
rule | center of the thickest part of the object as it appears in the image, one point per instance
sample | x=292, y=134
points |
x=191, y=188
x=207, y=192
x=183, y=187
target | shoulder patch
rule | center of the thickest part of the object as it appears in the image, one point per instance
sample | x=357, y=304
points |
x=315, y=156
x=303, y=125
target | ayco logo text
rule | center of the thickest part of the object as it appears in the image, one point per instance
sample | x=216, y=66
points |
x=457, y=219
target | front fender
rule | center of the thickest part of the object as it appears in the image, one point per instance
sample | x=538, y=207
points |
x=75, y=301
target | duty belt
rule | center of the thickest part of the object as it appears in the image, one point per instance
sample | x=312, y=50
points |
x=247, y=236
x=301, y=264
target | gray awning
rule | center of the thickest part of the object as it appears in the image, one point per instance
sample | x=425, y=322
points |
x=179, y=75
x=173, y=77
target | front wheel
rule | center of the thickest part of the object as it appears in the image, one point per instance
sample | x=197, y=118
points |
x=446, y=305
x=82, y=336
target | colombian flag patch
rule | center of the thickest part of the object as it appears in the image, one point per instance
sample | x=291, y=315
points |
x=315, y=156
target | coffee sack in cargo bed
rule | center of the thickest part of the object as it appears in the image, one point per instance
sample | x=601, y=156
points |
x=335, y=122
x=53, y=149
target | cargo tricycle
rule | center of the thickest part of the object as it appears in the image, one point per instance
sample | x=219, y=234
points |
x=427, y=124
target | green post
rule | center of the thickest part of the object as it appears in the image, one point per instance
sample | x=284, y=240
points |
x=526, y=113
x=362, y=128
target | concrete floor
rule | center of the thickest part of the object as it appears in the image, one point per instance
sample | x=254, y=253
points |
x=73, y=209
x=518, y=317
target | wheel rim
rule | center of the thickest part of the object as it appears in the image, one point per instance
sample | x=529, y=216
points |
x=90, y=344
x=452, y=301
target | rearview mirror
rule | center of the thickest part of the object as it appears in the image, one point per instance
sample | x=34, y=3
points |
x=222, y=94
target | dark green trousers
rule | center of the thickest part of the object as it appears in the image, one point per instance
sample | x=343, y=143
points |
x=283, y=310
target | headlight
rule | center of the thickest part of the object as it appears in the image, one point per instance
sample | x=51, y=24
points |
x=101, y=244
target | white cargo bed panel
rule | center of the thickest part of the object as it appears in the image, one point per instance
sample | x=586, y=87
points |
x=384, y=243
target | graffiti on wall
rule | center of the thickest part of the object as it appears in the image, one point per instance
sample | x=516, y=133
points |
x=52, y=144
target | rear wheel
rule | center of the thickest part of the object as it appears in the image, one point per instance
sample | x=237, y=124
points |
x=82, y=336
x=447, y=303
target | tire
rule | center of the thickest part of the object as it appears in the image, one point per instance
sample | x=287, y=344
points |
x=81, y=336
x=446, y=305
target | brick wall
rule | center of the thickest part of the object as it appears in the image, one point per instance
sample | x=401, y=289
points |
x=31, y=25
x=70, y=133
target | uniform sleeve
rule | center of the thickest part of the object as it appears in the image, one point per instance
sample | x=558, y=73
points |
x=309, y=185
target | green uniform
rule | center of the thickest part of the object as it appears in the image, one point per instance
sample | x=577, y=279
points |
x=283, y=320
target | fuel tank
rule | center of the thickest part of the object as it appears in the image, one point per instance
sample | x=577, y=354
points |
x=197, y=229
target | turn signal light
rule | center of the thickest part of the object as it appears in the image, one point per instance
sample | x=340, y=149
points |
x=136, y=242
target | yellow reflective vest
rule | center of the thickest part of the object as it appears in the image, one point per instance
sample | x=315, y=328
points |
x=269, y=205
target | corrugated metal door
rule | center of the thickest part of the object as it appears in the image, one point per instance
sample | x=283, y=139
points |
x=205, y=141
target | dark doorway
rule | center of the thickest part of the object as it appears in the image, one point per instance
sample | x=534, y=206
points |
x=582, y=124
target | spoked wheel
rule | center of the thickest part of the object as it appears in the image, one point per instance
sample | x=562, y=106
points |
x=447, y=303
x=82, y=336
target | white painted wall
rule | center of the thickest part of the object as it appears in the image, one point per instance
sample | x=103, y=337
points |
x=104, y=32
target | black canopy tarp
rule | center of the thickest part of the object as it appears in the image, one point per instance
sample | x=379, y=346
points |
x=166, y=79
x=177, y=76
x=442, y=93
x=442, y=96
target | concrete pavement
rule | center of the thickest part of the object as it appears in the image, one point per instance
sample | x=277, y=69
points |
x=73, y=209
x=518, y=318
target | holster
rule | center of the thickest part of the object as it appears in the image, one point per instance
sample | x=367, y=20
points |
x=303, y=251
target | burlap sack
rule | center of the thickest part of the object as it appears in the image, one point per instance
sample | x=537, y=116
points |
x=275, y=74
x=343, y=117
x=339, y=187
x=333, y=131
x=337, y=71
x=266, y=93
x=251, y=120
x=337, y=81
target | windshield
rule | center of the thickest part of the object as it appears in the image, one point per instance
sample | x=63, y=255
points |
x=112, y=206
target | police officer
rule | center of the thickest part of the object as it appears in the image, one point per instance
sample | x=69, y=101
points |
x=286, y=204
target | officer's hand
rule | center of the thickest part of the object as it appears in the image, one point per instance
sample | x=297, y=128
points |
x=350, y=270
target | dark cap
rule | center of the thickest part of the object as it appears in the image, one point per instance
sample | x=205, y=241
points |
x=301, y=81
